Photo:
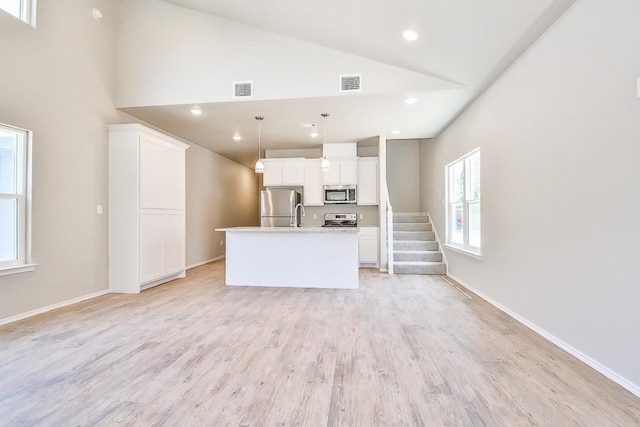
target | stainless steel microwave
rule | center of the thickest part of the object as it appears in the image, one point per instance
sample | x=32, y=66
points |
x=339, y=194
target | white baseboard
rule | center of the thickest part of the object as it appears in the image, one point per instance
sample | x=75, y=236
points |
x=51, y=307
x=189, y=267
x=613, y=376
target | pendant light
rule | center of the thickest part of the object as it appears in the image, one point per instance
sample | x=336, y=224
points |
x=324, y=162
x=259, y=168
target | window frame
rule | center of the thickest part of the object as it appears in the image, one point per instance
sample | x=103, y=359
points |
x=465, y=247
x=27, y=12
x=22, y=196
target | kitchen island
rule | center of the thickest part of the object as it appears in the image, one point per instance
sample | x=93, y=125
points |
x=295, y=257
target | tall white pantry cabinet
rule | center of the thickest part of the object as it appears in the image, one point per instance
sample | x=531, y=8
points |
x=146, y=208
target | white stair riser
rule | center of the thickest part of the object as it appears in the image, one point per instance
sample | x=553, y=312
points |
x=412, y=226
x=420, y=269
x=418, y=256
x=415, y=246
x=414, y=235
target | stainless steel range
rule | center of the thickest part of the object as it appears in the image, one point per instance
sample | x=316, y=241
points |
x=340, y=220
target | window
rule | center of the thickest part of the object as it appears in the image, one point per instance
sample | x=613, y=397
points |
x=24, y=10
x=14, y=201
x=463, y=203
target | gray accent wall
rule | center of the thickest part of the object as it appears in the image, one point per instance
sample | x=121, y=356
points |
x=559, y=134
x=403, y=174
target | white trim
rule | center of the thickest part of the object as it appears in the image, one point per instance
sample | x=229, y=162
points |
x=613, y=376
x=15, y=269
x=444, y=255
x=462, y=250
x=52, y=307
x=189, y=267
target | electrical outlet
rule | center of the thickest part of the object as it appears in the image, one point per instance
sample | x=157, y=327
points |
x=361, y=216
x=221, y=242
x=315, y=216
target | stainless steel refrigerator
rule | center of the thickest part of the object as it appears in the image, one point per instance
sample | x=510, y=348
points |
x=278, y=207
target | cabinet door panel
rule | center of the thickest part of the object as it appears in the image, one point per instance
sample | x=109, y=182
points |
x=313, y=195
x=272, y=173
x=332, y=175
x=174, y=179
x=153, y=163
x=368, y=181
x=173, y=242
x=151, y=236
x=292, y=173
x=368, y=249
x=348, y=172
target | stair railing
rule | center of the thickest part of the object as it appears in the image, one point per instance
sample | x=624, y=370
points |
x=389, y=209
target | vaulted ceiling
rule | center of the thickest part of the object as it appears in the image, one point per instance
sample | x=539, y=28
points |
x=464, y=46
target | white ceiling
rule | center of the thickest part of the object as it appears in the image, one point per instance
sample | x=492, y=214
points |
x=467, y=42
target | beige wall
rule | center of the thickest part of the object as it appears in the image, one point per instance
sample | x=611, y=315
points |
x=61, y=85
x=58, y=81
x=403, y=174
x=559, y=134
x=220, y=193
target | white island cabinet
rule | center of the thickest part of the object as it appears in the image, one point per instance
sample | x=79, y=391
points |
x=146, y=208
x=302, y=257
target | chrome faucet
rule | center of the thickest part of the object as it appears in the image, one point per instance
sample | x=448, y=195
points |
x=295, y=214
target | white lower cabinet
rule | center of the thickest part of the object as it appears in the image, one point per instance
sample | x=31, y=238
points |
x=161, y=243
x=368, y=246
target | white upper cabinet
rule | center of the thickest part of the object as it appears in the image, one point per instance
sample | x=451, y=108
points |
x=341, y=172
x=162, y=174
x=368, y=181
x=313, y=183
x=279, y=172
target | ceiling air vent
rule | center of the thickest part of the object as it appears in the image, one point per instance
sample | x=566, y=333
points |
x=242, y=90
x=351, y=83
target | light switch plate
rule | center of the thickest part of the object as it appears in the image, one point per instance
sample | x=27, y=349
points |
x=361, y=216
x=99, y=209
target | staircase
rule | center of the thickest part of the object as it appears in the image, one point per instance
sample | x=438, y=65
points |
x=415, y=249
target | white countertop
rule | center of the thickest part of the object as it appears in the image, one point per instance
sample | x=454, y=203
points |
x=292, y=229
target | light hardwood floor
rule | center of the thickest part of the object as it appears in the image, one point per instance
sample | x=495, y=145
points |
x=401, y=350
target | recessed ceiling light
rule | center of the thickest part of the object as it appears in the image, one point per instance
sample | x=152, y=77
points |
x=313, y=134
x=196, y=111
x=395, y=132
x=410, y=35
x=411, y=100
x=237, y=137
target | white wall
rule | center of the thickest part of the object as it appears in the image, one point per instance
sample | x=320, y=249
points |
x=403, y=174
x=560, y=140
x=220, y=193
x=58, y=81
x=171, y=55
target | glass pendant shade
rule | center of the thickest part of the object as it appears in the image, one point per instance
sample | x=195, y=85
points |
x=259, y=168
